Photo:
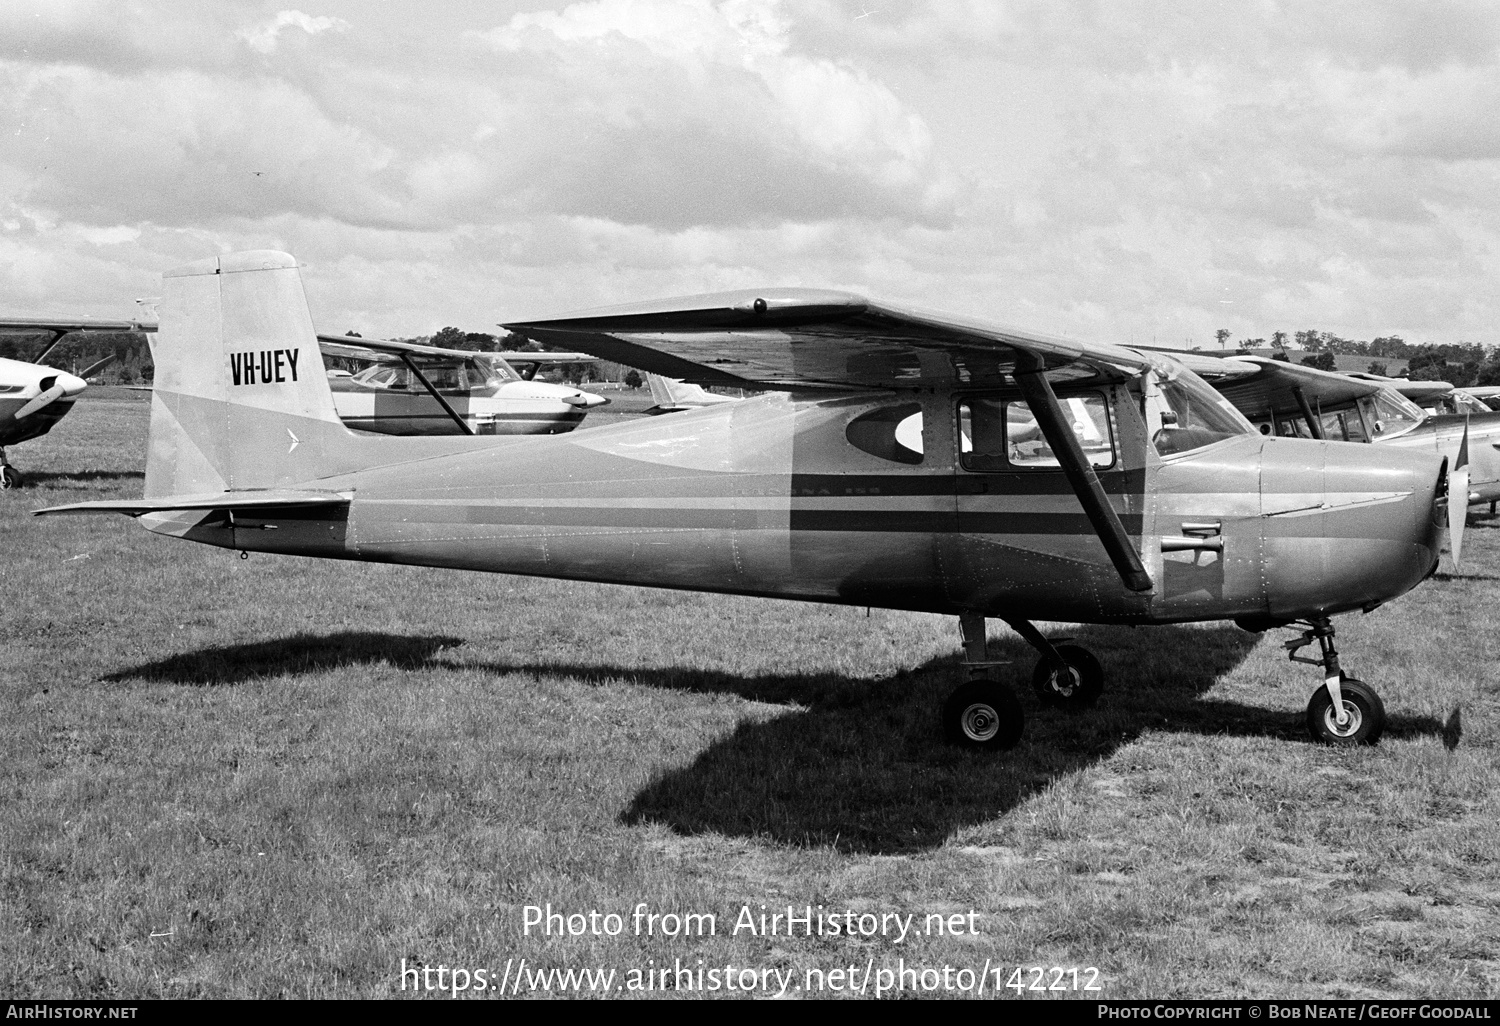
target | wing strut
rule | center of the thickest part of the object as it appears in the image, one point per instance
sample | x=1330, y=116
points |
x=1314, y=424
x=1080, y=473
x=462, y=424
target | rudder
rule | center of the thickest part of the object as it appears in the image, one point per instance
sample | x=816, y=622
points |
x=240, y=398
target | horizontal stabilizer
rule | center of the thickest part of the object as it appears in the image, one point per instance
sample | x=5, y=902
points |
x=231, y=501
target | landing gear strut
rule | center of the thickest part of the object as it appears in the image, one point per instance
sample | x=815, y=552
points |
x=985, y=714
x=982, y=713
x=1344, y=711
x=9, y=477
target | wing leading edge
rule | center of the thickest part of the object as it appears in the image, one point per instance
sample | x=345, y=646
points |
x=813, y=339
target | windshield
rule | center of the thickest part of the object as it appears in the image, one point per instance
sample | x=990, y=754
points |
x=1390, y=413
x=1186, y=413
x=1465, y=403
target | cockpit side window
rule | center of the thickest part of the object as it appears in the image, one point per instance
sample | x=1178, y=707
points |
x=997, y=435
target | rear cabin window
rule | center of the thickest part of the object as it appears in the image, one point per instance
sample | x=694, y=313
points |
x=892, y=433
x=1001, y=434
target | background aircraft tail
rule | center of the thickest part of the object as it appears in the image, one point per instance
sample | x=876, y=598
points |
x=240, y=398
x=672, y=395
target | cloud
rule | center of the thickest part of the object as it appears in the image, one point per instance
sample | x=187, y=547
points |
x=263, y=37
x=1125, y=170
x=678, y=112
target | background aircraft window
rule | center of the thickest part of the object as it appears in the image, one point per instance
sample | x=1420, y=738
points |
x=445, y=377
x=482, y=373
x=1292, y=427
x=384, y=377
x=997, y=434
x=1393, y=413
x=1463, y=403
x=1343, y=427
x=892, y=433
x=1193, y=415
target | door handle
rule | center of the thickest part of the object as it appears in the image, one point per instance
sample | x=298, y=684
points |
x=1206, y=529
x=1184, y=544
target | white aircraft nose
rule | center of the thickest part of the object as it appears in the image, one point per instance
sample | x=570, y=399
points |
x=54, y=385
x=586, y=400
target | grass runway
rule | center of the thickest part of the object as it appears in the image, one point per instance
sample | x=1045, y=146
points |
x=283, y=777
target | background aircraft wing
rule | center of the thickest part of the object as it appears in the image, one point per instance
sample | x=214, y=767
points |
x=783, y=339
x=1421, y=391
x=40, y=325
x=1275, y=384
x=514, y=356
x=61, y=329
x=358, y=348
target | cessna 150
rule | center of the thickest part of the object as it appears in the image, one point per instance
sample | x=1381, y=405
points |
x=1169, y=508
x=33, y=396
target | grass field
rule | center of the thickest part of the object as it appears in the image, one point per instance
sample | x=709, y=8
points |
x=283, y=777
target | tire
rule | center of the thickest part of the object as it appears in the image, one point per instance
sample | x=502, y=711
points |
x=1366, y=715
x=1081, y=692
x=983, y=715
x=9, y=478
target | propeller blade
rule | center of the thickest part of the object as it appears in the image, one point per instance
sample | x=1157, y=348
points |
x=1458, y=510
x=1458, y=496
x=51, y=390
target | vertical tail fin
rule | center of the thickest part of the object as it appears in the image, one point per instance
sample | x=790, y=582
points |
x=672, y=394
x=240, y=399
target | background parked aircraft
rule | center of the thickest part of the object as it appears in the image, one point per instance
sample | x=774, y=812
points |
x=422, y=390
x=34, y=396
x=673, y=395
x=1297, y=401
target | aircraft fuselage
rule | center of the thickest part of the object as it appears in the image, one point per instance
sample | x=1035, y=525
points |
x=771, y=496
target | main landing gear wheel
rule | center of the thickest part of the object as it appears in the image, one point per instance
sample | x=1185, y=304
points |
x=1362, y=706
x=9, y=477
x=984, y=715
x=1077, y=688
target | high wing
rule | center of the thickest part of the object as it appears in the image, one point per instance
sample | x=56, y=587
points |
x=61, y=329
x=521, y=356
x=1286, y=389
x=361, y=348
x=786, y=339
x=789, y=339
x=1420, y=391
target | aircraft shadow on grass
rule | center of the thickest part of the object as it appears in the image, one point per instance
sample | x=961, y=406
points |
x=861, y=766
x=301, y=653
x=858, y=765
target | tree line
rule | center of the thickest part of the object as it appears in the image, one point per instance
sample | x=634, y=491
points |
x=1459, y=363
x=1462, y=364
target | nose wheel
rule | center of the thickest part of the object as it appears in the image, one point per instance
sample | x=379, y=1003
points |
x=1344, y=711
x=1363, y=720
x=9, y=476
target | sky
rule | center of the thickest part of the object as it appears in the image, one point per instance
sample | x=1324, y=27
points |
x=1114, y=170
